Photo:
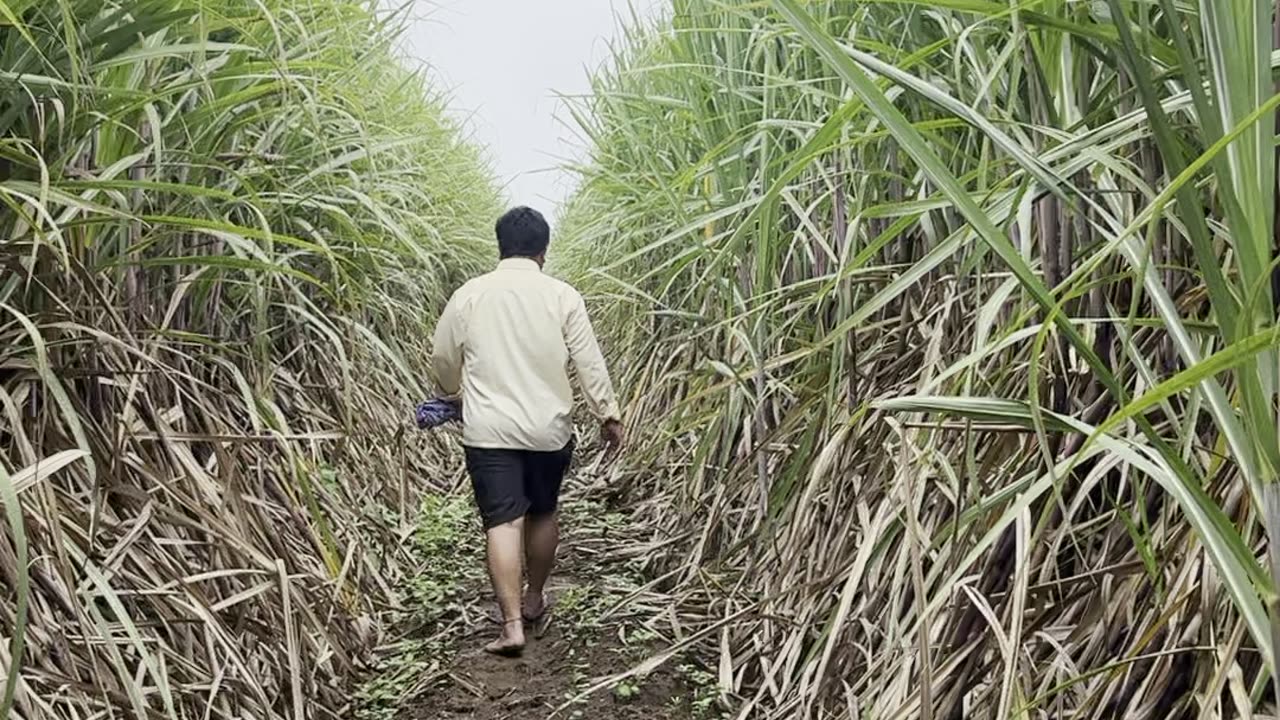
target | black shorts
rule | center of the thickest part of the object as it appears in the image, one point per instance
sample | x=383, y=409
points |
x=510, y=484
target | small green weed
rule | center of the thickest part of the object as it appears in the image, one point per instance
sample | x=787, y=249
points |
x=626, y=690
x=704, y=693
x=445, y=548
x=398, y=672
x=633, y=635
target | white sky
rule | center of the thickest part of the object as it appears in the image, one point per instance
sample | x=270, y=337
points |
x=505, y=63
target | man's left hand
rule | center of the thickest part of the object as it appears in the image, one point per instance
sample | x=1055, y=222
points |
x=615, y=437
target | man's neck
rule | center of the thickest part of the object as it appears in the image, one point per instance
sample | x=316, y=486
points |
x=521, y=262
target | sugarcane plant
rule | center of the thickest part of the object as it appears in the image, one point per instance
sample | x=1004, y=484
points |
x=226, y=230
x=957, y=324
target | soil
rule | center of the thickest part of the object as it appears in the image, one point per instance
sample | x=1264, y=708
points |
x=554, y=668
x=598, y=628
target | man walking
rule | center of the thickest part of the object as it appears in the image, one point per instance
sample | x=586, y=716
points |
x=504, y=342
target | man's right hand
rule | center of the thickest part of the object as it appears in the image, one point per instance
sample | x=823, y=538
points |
x=613, y=434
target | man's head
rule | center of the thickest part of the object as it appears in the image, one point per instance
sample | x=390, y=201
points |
x=523, y=232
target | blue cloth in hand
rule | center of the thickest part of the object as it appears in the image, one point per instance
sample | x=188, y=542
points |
x=437, y=412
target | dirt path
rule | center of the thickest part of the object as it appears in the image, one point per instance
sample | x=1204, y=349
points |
x=553, y=670
x=598, y=628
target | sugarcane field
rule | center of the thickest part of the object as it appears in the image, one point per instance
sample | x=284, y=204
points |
x=639, y=359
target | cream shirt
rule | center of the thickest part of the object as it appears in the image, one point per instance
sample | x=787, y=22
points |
x=505, y=341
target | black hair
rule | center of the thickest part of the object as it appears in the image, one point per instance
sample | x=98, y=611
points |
x=522, y=232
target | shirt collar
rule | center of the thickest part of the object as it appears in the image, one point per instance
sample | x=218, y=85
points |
x=518, y=263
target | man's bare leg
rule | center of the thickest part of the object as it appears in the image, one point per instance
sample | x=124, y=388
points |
x=541, y=538
x=505, y=564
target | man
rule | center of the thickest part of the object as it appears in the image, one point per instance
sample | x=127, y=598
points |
x=504, y=341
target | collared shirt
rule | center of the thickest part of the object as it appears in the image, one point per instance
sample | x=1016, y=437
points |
x=505, y=341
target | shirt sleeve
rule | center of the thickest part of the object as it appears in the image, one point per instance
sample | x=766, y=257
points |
x=584, y=349
x=446, y=349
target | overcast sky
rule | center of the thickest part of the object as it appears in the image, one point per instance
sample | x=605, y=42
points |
x=503, y=62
